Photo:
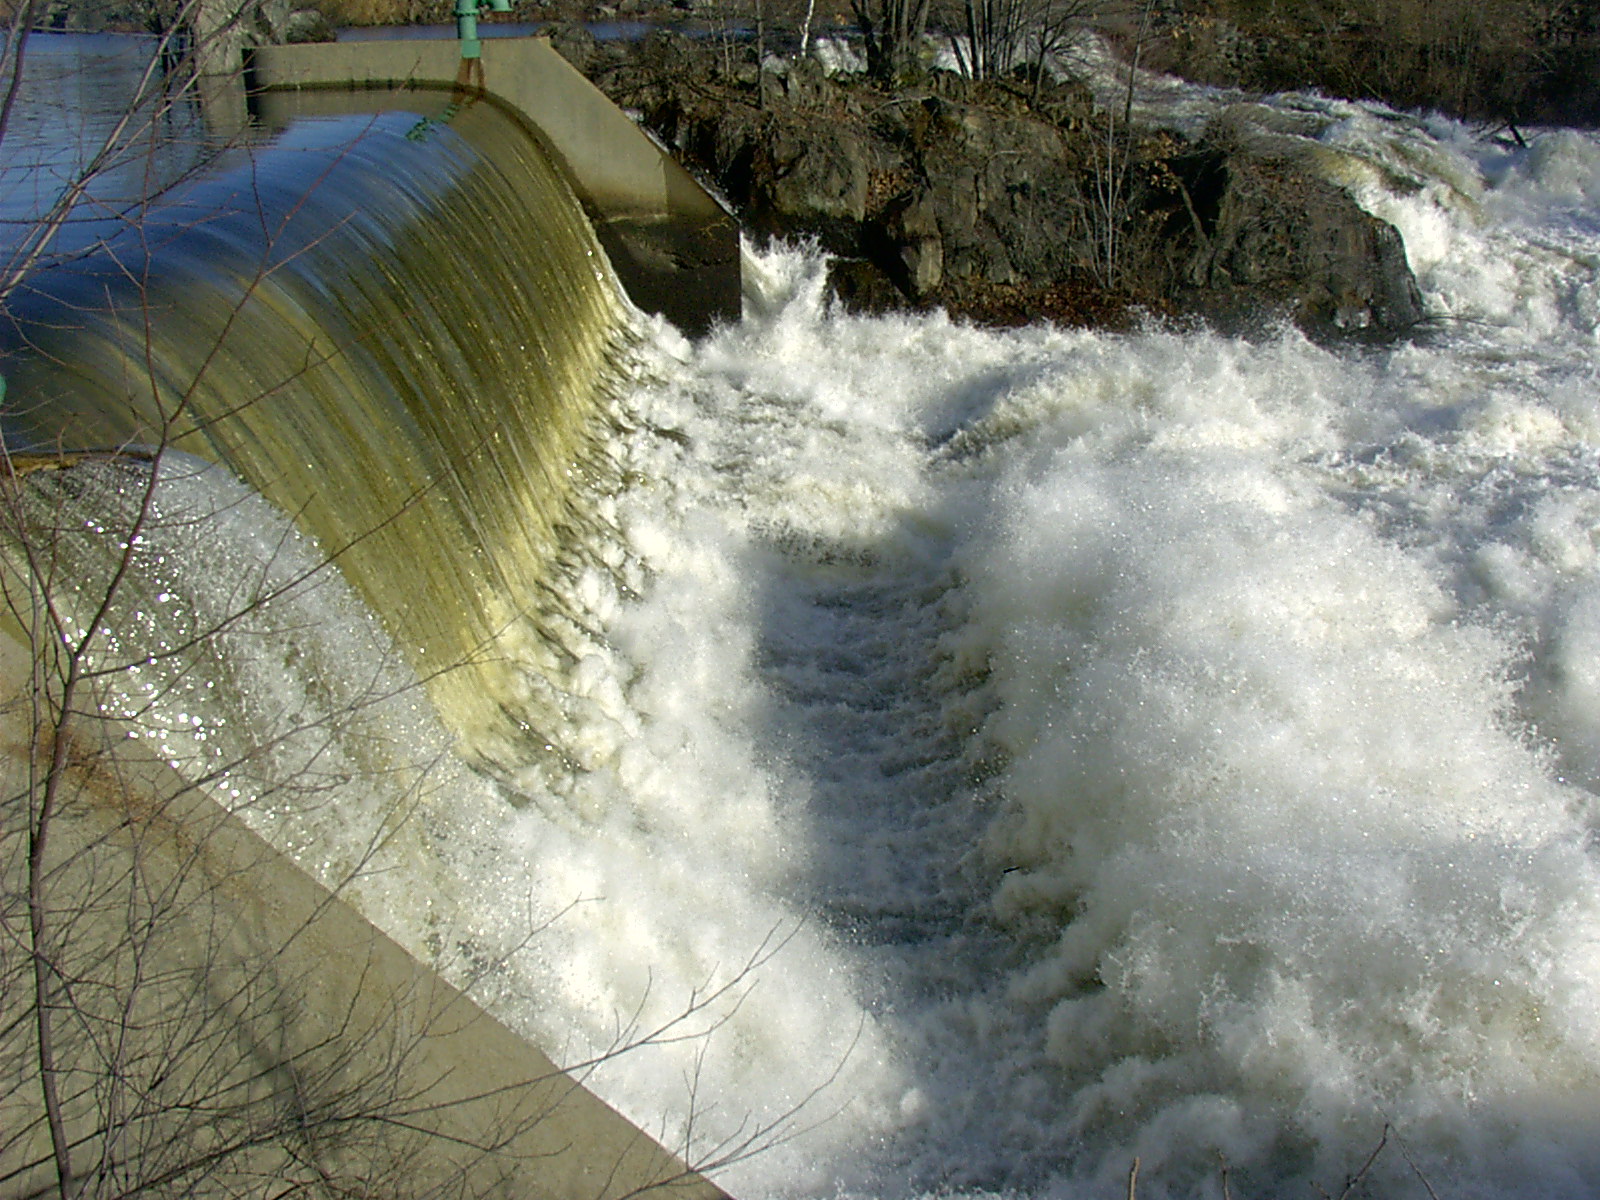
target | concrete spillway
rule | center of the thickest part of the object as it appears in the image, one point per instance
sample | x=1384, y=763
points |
x=399, y=330
x=675, y=248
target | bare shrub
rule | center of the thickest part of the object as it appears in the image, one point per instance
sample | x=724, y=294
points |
x=182, y=1011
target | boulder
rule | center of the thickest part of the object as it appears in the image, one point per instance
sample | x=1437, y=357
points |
x=1001, y=199
x=1272, y=228
x=308, y=25
x=810, y=176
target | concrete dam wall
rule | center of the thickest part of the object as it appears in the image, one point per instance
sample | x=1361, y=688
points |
x=675, y=248
x=415, y=362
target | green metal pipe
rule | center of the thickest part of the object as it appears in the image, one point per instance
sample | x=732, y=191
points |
x=467, y=24
x=467, y=28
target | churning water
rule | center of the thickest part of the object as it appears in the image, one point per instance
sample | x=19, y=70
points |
x=985, y=759
x=1177, y=747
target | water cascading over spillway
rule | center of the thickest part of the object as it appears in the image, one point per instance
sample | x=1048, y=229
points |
x=398, y=328
x=1157, y=746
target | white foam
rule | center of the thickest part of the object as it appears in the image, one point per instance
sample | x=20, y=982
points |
x=1230, y=829
x=1164, y=745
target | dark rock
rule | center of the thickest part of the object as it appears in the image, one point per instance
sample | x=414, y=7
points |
x=574, y=42
x=308, y=25
x=989, y=198
x=862, y=287
x=912, y=228
x=814, y=176
x=1274, y=229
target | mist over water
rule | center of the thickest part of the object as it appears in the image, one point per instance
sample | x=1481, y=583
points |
x=1184, y=747
x=987, y=758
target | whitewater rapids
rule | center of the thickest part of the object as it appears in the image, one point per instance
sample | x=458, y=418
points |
x=1179, y=748
x=1068, y=748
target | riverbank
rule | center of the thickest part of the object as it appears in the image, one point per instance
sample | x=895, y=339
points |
x=1003, y=200
x=1013, y=200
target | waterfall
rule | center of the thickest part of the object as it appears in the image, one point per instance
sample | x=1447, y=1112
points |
x=399, y=328
x=1158, y=746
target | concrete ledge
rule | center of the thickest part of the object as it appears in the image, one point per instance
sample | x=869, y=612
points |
x=674, y=247
x=264, y=993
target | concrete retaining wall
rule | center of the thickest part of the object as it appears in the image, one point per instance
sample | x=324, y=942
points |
x=224, y=988
x=674, y=247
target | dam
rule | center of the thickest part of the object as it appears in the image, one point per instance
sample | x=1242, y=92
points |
x=469, y=283
x=389, y=314
x=1006, y=755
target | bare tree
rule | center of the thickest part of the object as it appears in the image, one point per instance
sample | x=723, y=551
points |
x=169, y=82
x=1112, y=153
x=169, y=1048
x=172, y=1022
x=1002, y=35
x=894, y=32
x=181, y=1011
x=186, y=1013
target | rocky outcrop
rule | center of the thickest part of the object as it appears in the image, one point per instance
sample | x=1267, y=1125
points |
x=1015, y=202
x=1270, y=229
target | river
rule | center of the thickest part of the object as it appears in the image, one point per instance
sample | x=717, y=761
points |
x=1015, y=754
